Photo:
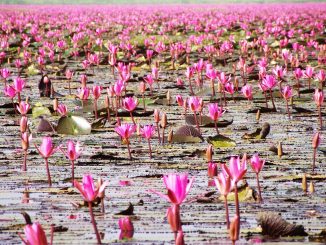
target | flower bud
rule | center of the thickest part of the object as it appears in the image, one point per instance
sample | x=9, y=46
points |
x=316, y=140
x=304, y=183
x=170, y=136
x=164, y=120
x=107, y=102
x=55, y=104
x=142, y=87
x=280, y=150
x=23, y=124
x=258, y=115
x=234, y=229
x=156, y=115
x=311, y=187
x=212, y=169
x=209, y=153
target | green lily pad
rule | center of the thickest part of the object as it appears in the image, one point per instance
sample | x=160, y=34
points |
x=31, y=70
x=148, y=101
x=220, y=141
x=73, y=125
x=40, y=111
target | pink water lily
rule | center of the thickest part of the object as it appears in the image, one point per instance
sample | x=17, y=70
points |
x=287, y=94
x=215, y=112
x=46, y=149
x=23, y=108
x=178, y=186
x=130, y=104
x=247, y=91
x=237, y=168
x=125, y=131
x=35, y=234
x=62, y=109
x=90, y=192
x=195, y=104
x=126, y=228
x=148, y=132
x=224, y=185
x=10, y=91
x=257, y=164
x=319, y=100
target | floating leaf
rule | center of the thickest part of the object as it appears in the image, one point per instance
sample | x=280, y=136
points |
x=40, y=111
x=260, y=133
x=148, y=101
x=187, y=134
x=73, y=125
x=206, y=121
x=31, y=70
x=221, y=141
x=45, y=126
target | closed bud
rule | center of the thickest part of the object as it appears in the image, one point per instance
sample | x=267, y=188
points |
x=142, y=87
x=219, y=87
x=311, y=187
x=23, y=124
x=234, y=229
x=164, y=120
x=156, y=115
x=55, y=104
x=316, y=140
x=209, y=153
x=168, y=97
x=280, y=150
x=101, y=194
x=170, y=136
x=107, y=102
x=258, y=115
x=304, y=183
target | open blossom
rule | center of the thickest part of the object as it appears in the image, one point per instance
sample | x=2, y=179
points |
x=69, y=74
x=223, y=183
x=130, y=103
x=73, y=150
x=47, y=148
x=287, y=92
x=97, y=91
x=229, y=88
x=319, y=97
x=321, y=76
x=178, y=186
x=83, y=93
x=298, y=73
x=19, y=84
x=309, y=72
x=62, y=109
x=195, y=103
x=215, y=112
x=256, y=163
x=125, y=130
x=23, y=107
x=179, y=100
x=279, y=71
x=5, y=73
x=35, y=234
x=119, y=87
x=237, y=169
x=247, y=91
x=10, y=91
x=88, y=189
x=147, y=131
x=269, y=82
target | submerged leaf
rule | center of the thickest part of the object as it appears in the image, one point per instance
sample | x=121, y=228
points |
x=40, y=111
x=73, y=125
x=221, y=141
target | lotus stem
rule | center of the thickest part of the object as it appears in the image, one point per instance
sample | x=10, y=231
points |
x=48, y=171
x=190, y=87
x=69, y=87
x=287, y=108
x=102, y=206
x=144, y=102
x=236, y=200
x=72, y=172
x=320, y=117
x=226, y=212
x=132, y=118
x=95, y=109
x=259, y=190
x=52, y=233
x=314, y=160
x=94, y=223
x=129, y=152
x=163, y=141
x=196, y=119
x=271, y=93
x=25, y=160
x=158, y=132
x=150, y=148
x=213, y=87
x=298, y=87
x=216, y=128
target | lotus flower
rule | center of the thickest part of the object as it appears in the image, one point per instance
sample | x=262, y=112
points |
x=178, y=187
x=126, y=131
x=126, y=228
x=215, y=113
x=35, y=234
x=23, y=108
x=62, y=109
x=319, y=100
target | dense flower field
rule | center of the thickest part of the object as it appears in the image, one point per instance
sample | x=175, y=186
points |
x=202, y=124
